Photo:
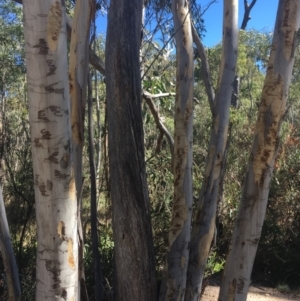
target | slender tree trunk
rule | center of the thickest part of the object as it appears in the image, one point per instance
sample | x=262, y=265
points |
x=7, y=252
x=78, y=73
x=49, y=115
x=204, y=223
x=134, y=252
x=6, y=248
x=174, y=282
x=94, y=222
x=251, y=214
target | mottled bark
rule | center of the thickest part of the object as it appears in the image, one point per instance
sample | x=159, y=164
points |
x=204, y=223
x=174, y=281
x=247, y=231
x=49, y=116
x=78, y=72
x=235, y=92
x=134, y=252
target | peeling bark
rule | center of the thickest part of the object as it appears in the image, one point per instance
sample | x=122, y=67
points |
x=251, y=214
x=204, y=223
x=78, y=72
x=49, y=116
x=174, y=282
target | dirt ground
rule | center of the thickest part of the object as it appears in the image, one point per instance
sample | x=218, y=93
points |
x=256, y=293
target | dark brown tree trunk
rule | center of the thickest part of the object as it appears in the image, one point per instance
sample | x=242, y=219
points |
x=134, y=252
x=248, y=8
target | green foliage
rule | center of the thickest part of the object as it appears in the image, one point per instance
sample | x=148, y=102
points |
x=215, y=264
x=279, y=248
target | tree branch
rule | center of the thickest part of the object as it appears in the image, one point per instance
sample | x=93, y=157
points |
x=248, y=9
x=149, y=100
x=207, y=7
x=205, y=70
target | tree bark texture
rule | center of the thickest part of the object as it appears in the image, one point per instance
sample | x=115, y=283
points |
x=174, y=282
x=132, y=232
x=78, y=73
x=247, y=231
x=204, y=223
x=49, y=115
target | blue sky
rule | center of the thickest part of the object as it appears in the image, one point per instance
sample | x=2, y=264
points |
x=262, y=15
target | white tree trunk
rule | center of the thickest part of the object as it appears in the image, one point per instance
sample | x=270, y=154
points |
x=251, y=214
x=174, y=282
x=78, y=73
x=204, y=223
x=7, y=252
x=49, y=114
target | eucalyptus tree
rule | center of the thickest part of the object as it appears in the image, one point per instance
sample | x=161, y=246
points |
x=132, y=231
x=204, y=223
x=7, y=252
x=51, y=136
x=78, y=73
x=174, y=283
x=272, y=109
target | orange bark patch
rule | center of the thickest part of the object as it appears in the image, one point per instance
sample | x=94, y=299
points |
x=54, y=25
x=61, y=230
x=72, y=188
x=71, y=259
x=182, y=262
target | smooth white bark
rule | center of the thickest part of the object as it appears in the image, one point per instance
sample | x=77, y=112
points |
x=204, y=223
x=49, y=114
x=251, y=214
x=78, y=73
x=174, y=283
x=7, y=252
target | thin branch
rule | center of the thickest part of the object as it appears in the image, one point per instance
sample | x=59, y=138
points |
x=153, y=96
x=149, y=100
x=248, y=9
x=207, y=7
x=205, y=70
